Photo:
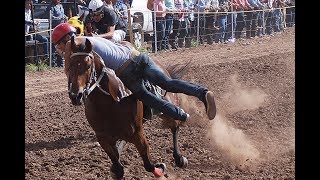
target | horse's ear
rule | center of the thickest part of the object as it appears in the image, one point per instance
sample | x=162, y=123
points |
x=88, y=48
x=73, y=45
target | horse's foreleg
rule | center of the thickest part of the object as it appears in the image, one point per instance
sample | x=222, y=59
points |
x=117, y=171
x=120, y=145
x=142, y=146
x=180, y=160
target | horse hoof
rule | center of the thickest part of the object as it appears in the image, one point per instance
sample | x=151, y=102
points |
x=159, y=170
x=184, y=162
x=114, y=176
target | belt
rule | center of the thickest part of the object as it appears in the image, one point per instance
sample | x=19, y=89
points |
x=133, y=54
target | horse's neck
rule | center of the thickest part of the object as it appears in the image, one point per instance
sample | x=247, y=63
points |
x=98, y=63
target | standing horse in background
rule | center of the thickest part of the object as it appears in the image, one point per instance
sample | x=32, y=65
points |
x=96, y=85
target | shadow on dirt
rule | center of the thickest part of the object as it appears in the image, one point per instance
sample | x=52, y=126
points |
x=61, y=143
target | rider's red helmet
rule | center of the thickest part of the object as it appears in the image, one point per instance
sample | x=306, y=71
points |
x=61, y=30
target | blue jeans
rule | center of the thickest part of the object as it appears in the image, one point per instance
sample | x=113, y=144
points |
x=160, y=31
x=231, y=25
x=142, y=67
x=169, y=21
x=277, y=22
x=240, y=20
x=222, y=21
x=45, y=42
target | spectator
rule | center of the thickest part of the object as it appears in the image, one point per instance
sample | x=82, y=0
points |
x=68, y=7
x=179, y=26
x=122, y=9
x=191, y=24
x=211, y=19
x=231, y=22
x=277, y=16
x=251, y=25
x=169, y=21
x=268, y=17
x=260, y=19
x=30, y=23
x=242, y=18
x=201, y=7
x=290, y=13
x=105, y=22
x=58, y=17
x=160, y=12
x=220, y=37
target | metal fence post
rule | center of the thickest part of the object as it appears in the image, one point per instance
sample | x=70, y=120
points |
x=155, y=29
x=198, y=22
x=50, y=43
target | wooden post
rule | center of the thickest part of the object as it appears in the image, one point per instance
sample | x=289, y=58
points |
x=129, y=24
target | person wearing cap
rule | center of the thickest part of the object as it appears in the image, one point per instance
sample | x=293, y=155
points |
x=132, y=67
x=105, y=22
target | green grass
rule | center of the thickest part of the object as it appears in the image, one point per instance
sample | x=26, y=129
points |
x=194, y=43
x=32, y=67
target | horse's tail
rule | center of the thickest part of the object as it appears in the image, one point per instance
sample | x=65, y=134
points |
x=178, y=70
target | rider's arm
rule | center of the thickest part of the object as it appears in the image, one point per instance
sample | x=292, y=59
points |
x=109, y=33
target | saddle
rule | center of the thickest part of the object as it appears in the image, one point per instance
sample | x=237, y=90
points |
x=148, y=112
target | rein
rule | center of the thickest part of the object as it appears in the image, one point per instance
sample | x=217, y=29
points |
x=93, y=75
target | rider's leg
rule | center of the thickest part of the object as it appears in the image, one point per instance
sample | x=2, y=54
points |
x=154, y=74
x=139, y=90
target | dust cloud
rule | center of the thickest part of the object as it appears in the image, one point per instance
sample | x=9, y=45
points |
x=237, y=148
x=233, y=143
x=241, y=98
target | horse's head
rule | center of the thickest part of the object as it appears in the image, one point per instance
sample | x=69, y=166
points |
x=80, y=69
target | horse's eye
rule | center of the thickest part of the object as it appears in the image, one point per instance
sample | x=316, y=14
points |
x=88, y=66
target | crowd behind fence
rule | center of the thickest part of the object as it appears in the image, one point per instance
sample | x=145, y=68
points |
x=199, y=28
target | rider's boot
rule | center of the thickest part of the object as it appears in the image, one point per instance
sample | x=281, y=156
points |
x=210, y=104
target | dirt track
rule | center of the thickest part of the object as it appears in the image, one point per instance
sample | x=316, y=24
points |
x=252, y=137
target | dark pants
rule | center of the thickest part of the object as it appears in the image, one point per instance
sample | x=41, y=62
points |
x=231, y=25
x=142, y=67
x=260, y=23
x=191, y=27
x=240, y=24
x=221, y=34
x=202, y=28
x=179, y=30
x=290, y=16
x=268, y=19
x=160, y=31
x=210, y=24
x=169, y=21
x=251, y=24
x=57, y=60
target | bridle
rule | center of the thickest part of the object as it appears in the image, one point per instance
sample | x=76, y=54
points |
x=93, y=75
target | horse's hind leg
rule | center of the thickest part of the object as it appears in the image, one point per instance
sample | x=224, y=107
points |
x=111, y=149
x=180, y=160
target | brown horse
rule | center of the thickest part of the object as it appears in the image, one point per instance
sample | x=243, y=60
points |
x=113, y=121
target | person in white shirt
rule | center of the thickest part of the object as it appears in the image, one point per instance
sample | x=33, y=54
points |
x=29, y=24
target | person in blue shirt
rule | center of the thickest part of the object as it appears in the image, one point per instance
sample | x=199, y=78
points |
x=135, y=69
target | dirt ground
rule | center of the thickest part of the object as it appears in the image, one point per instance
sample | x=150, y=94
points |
x=252, y=136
